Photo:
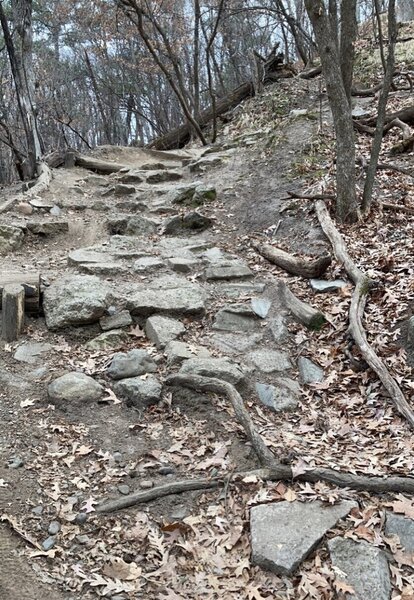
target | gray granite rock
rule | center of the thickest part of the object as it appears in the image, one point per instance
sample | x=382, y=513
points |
x=365, y=568
x=131, y=177
x=204, y=193
x=191, y=222
x=116, y=321
x=75, y=300
x=131, y=225
x=139, y=392
x=270, y=361
x=205, y=163
x=236, y=317
x=178, y=352
x=227, y=270
x=261, y=306
x=11, y=238
x=402, y=527
x=131, y=364
x=169, y=295
x=31, y=352
x=162, y=176
x=220, y=368
x=74, y=387
x=235, y=289
x=278, y=328
x=283, y=534
x=109, y=340
x=321, y=285
x=308, y=371
x=47, y=228
x=148, y=264
x=183, y=265
x=282, y=397
x=235, y=343
x=161, y=330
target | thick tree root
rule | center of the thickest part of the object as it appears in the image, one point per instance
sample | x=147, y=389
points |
x=304, y=267
x=42, y=185
x=362, y=287
x=272, y=472
x=305, y=313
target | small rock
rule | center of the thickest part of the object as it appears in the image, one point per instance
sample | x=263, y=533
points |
x=403, y=528
x=124, y=489
x=75, y=387
x=280, y=398
x=364, y=567
x=320, y=285
x=183, y=265
x=31, y=352
x=140, y=393
x=55, y=211
x=131, y=364
x=15, y=463
x=205, y=163
x=109, y=340
x=161, y=330
x=146, y=484
x=235, y=343
x=148, y=264
x=220, y=368
x=24, y=208
x=49, y=543
x=165, y=470
x=117, y=456
x=204, y=193
x=161, y=176
x=178, y=352
x=228, y=270
x=83, y=539
x=270, y=361
x=81, y=518
x=11, y=238
x=54, y=528
x=236, y=317
x=308, y=371
x=116, y=320
x=38, y=510
x=261, y=307
x=190, y=222
x=285, y=533
x=131, y=225
x=278, y=328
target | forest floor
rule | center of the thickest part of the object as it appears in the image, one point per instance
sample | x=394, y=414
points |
x=62, y=460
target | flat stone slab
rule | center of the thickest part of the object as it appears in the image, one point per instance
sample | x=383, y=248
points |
x=403, y=528
x=261, y=306
x=116, y=321
x=162, y=176
x=365, y=568
x=178, y=352
x=283, y=534
x=167, y=295
x=131, y=225
x=237, y=318
x=184, y=247
x=235, y=343
x=282, y=397
x=183, y=265
x=109, y=340
x=140, y=393
x=161, y=330
x=148, y=264
x=75, y=300
x=270, y=361
x=308, y=371
x=322, y=286
x=32, y=352
x=228, y=270
x=131, y=364
x=74, y=387
x=220, y=368
x=47, y=227
x=240, y=288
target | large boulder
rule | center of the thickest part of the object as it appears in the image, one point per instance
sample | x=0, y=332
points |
x=74, y=387
x=75, y=300
x=11, y=238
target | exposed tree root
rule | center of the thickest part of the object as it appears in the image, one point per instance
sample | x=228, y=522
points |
x=406, y=145
x=42, y=184
x=362, y=287
x=304, y=312
x=398, y=208
x=273, y=472
x=302, y=266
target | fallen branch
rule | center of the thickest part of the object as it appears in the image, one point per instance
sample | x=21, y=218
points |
x=305, y=313
x=362, y=287
x=304, y=267
x=311, y=73
x=98, y=166
x=299, y=196
x=397, y=208
x=406, y=145
x=384, y=167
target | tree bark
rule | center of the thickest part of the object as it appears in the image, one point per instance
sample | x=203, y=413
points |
x=304, y=267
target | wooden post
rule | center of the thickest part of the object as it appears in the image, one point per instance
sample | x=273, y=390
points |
x=31, y=284
x=13, y=311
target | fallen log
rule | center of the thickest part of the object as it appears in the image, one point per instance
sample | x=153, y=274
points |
x=311, y=73
x=406, y=145
x=406, y=115
x=178, y=137
x=31, y=285
x=304, y=313
x=363, y=286
x=302, y=266
x=98, y=166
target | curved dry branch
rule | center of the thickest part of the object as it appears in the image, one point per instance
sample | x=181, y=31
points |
x=362, y=287
x=304, y=267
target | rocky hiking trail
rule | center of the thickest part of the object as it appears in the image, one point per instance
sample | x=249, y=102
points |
x=153, y=295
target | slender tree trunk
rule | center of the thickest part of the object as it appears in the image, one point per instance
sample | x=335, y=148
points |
x=382, y=108
x=349, y=30
x=346, y=202
x=196, y=62
x=105, y=124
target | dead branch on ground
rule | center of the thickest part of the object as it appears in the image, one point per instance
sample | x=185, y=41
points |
x=362, y=287
x=302, y=266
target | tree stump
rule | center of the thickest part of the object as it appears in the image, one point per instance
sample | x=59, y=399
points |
x=31, y=284
x=13, y=311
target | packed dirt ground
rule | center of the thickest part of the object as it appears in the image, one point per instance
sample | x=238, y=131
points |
x=61, y=459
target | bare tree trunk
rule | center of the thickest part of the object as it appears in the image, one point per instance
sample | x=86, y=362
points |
x=196, y=63
x=382, y=107
x=105, y=121
x=346, y=203
x=349, y=30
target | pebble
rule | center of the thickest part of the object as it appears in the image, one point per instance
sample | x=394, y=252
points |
x=81, y=518
x=15, y=462
x=117, y=456
x=83, y=539
x=54, y=528
x=38, y=510
x=124, y=489
x=146, y=484
x=55, y=211
x=166, y=470
x=24, y=208
x=49, y=543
